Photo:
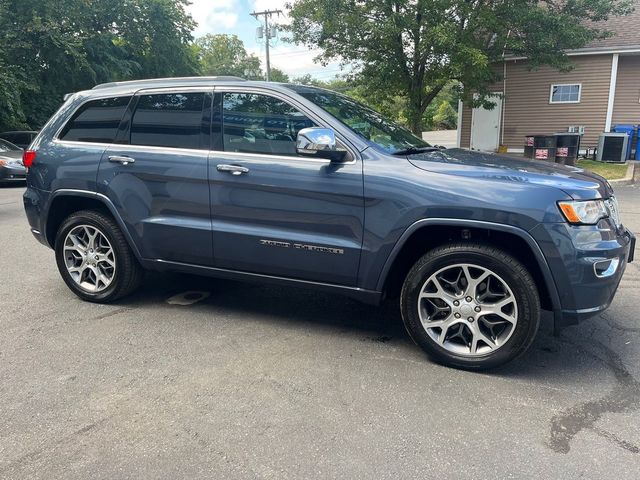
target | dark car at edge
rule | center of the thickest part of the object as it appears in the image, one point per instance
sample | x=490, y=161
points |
x=296, y=185
x=11, y=167
x=21, y=138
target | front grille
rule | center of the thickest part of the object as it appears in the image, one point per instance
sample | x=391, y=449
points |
x=612, y=206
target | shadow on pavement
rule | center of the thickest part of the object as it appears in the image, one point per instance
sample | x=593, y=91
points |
x=548, y=358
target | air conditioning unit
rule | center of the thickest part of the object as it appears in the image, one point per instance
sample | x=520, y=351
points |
x=612, y=147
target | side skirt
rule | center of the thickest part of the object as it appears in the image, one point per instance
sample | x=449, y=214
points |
x=370, y=297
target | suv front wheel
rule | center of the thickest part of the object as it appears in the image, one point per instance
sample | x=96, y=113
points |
x=470, y=306
x=94, y=258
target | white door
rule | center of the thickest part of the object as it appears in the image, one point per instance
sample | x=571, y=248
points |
x=485, y=127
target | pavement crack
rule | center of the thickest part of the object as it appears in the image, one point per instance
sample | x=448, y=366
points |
x=625, y=397
x=617, y=440
x=27, y=457
x=117, y=311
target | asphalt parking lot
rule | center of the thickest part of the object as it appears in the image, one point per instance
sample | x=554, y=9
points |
x=264, y=382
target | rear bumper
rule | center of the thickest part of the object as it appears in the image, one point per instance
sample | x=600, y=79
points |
x=33, y=201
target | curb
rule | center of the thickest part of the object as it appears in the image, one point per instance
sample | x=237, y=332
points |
x=632, y=176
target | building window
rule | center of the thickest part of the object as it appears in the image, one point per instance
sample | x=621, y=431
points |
x=565, y=93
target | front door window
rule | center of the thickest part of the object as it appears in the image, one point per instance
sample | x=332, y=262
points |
x=254, y=123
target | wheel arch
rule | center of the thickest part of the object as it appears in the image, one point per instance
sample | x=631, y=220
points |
x=426, y=234
x=63, y=203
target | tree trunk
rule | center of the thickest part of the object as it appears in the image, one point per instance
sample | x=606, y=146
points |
x=418, y=103
x=414, y=113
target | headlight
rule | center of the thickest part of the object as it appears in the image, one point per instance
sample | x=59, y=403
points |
x=588, y=212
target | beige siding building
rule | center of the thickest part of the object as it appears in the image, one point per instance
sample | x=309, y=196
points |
x=601, y=91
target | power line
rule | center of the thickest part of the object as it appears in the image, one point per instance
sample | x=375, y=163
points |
x=267, y=33
x=292, y=53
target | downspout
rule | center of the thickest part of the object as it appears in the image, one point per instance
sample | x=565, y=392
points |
x=612, y=92
x=503, y=103
x=504, y=89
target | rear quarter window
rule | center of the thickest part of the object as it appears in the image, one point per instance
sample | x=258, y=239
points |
x=96, y=121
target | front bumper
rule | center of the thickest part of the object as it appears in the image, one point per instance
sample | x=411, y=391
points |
x=587, y=264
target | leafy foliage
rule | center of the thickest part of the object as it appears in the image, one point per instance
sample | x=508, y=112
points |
x=419, y=47
x=52, y=47
x=278, y=75
x=226, y=55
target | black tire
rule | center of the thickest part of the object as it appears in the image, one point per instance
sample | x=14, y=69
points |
x=511, y=271
x=128, y=272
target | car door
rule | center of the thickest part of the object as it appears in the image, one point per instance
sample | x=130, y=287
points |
x=275, y=212
x=156, y=175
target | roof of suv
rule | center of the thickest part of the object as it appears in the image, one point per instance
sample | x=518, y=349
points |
x=135, y=85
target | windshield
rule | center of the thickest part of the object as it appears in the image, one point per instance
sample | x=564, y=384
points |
x=367, y=123
x=8, y=146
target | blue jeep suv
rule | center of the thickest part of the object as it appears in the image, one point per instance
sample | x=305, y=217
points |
x=302, y=186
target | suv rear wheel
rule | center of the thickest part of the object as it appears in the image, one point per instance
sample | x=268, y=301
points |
x=94, y=258
x=470, y=306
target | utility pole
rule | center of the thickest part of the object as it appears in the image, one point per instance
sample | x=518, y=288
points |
x=267, y=33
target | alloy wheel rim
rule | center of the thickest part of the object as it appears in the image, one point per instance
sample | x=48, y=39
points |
x=467, y=309
x=89, y=258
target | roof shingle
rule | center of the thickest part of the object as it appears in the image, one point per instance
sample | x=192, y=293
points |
x=626, y=30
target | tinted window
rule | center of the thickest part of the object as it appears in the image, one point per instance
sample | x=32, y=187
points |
x=169, y=120
x=260, y=124
x=6, y=146
x=96, y=121
x=10, y=137
x=367, y=123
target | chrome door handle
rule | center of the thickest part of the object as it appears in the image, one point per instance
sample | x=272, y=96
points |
x=121, y=159
x=233, y=169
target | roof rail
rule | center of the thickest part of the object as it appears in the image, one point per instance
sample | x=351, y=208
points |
x=152, y=81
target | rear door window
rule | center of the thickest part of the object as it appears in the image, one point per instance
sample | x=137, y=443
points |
x=96, y=121
x=170, y=120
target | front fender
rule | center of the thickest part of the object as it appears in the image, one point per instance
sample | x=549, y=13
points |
x=465, y=223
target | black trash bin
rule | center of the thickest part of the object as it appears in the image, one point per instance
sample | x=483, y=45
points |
x=567, y=147
x=529, y=142
x=540, y=147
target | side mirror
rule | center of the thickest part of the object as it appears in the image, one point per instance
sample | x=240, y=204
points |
x=320, y=143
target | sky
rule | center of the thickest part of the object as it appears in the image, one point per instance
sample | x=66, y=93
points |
x=233, y=17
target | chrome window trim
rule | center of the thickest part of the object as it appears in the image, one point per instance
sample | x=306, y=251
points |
x=286, y=158
x=253, y=156
x=57, y=141
x=165, y=90
x=134, y=147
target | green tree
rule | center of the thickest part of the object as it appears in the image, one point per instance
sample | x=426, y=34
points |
x=446, y=117
x=52, y=47
x=307, y=79
x=278, y=75
x=225, y=55
x=415, y=48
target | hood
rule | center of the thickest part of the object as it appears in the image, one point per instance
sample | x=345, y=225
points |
x=580, y=184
